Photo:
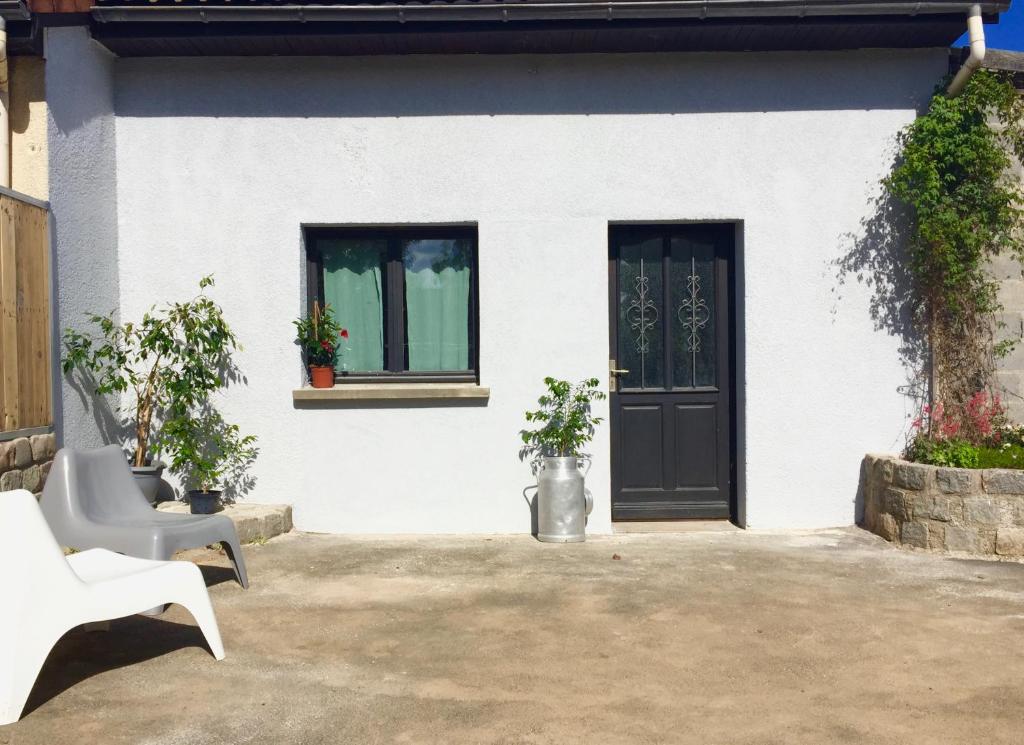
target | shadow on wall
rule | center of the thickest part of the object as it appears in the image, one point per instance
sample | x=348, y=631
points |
x=82, y=192
x=531, y=502
x=118, y=428
x=217, y=444
x=111, y=428
x=877, y=257
x=858, y=502
x=522, y=84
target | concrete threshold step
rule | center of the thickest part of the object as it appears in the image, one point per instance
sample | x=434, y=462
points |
x=674, y=526
x=254, y=522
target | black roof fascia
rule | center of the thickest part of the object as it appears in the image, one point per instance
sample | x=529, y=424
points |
x=536, y=37
x=148, y=28
x=113, y=11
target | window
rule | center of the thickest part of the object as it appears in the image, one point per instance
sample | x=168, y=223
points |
x=408, y=297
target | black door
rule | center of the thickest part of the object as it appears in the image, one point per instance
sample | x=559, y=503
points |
x=670, y=359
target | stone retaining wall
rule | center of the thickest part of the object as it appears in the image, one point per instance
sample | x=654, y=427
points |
x=25, y=462
x=977, y=512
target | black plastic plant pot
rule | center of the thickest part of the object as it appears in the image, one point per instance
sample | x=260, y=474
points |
x=203, y=502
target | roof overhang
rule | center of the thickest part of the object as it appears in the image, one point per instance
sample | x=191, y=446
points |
x=115, y=11
x=358, y=27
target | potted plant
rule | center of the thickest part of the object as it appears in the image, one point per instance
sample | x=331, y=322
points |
x=320, y=335
x=207, y=452
x=566, y=423
x=172, y=352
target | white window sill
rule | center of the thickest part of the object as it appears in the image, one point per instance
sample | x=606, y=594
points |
x=392, y=392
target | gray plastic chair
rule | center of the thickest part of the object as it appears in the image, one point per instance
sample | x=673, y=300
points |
x=91, y=501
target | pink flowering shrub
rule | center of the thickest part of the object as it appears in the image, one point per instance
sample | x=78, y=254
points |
x=980, y=421
x=959, y=436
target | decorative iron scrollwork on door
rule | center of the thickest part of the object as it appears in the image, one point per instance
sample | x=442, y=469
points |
x=694, y=313
x=693, y=324
x=642, y=313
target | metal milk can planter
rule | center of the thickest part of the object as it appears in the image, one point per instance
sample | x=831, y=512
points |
x=563, y=502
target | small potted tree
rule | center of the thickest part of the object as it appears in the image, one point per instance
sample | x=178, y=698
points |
x=320, y=337
x=566, y=424
x=207, y=453
x=172, y=352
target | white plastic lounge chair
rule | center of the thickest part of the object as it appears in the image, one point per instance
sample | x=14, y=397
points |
x=44, y=594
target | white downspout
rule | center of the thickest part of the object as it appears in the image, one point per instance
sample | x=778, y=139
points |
x=5, y=119
x=976, y=34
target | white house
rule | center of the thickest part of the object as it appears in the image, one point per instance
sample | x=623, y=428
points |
x=491, y=192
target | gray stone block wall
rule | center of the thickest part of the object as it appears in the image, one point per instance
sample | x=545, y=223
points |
x=1009, y=377
x=978, y=512
x=25, y=462
x=1010, y=370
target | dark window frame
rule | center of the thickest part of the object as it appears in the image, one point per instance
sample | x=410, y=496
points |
x=393, y=285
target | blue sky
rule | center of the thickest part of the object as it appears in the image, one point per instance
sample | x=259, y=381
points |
x=1008, y=33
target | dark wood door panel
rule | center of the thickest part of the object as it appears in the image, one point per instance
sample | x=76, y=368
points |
x=641, y=435
x=696, y=446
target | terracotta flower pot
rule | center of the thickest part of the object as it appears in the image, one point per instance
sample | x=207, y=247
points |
x=321, y=377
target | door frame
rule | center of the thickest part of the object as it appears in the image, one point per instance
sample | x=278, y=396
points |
x=737, y=357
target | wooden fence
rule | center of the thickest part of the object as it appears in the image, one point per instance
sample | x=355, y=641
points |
x=26, y=372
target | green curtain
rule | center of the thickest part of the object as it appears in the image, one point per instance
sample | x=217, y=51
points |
x=437, y=304
x=352, y=287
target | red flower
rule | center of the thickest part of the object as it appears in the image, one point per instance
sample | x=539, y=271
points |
x=326, y=345
x=343, y=334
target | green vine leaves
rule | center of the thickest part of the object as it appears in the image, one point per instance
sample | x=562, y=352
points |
x=966, y=207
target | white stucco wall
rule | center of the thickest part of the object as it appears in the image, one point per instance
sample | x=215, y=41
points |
x=82, y=185
x=220, y=161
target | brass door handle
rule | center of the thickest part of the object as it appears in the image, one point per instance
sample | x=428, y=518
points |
x=613, y=371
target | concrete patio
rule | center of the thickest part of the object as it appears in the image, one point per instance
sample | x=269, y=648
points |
x=826, y=637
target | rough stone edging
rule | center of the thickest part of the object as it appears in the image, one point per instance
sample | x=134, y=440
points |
x=25, y=462
x=254, y=522
x=977, y=512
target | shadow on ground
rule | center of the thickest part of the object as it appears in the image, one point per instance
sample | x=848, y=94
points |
x=728, y=637
x=80, y=654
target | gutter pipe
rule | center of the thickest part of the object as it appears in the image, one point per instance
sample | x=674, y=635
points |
x=976, y=34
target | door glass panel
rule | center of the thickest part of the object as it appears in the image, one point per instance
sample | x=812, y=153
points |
x=437, y=278
x=352, y=287
x=641, y=326
x=692, y=280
